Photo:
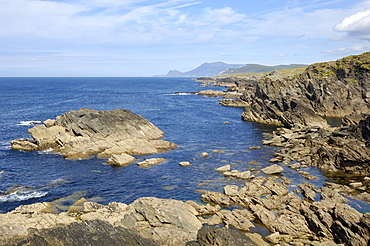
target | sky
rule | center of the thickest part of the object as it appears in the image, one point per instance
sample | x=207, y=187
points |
x=114, y=38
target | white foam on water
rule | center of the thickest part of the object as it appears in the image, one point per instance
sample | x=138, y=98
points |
x=22, y=195
x=48, y=151
x=179, y=94
x=29, y=123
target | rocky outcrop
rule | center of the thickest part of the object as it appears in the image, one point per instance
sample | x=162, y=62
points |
x=290, y=218
x=85, y=132
x=330, y=89
x=345, y=149
x=322, y=218
x=87, y=233
x=165, y=221
x=209, y=235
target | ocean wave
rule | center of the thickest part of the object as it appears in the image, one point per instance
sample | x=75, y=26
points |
x=179, y=94
x=5, y=145
x=29, y=123
x=22, y=195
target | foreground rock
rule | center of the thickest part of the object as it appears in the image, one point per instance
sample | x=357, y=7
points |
x=209, y=235
x=85, y=132
x=92, y=233
x=165, y=221
x=289, y=217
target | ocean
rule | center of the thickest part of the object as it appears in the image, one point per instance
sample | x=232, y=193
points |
x=195, y=123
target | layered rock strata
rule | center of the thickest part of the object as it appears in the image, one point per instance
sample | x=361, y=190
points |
x=86, y=132
x=328, y=89
x=338, y=149
x=310, y=216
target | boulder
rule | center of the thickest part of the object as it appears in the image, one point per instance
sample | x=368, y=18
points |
x=87, y=233
x=231, y=190
x=150, y=162
x=209, y=235
x=166, y=221
x=122, y=159
x=225, y=168
x=273, y=169
x=185, y=163
x=82, y=133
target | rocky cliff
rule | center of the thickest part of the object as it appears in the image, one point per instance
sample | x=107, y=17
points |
x=329, y=89
x=82, y=133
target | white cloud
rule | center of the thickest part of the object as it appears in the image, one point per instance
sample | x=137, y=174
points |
x=357, y=25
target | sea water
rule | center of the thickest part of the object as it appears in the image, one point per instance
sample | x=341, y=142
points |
x=195, y=123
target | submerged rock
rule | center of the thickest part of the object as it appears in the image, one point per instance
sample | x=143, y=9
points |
x=86, y=132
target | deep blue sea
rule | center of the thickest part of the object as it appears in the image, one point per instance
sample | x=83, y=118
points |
x=195, y=123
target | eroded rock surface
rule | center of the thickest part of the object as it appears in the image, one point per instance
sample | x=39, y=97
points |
x=86, y=132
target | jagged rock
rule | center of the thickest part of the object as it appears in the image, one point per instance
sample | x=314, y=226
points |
x=273, y=169
x=88, y=233
x=207, y=209
x=292, y=224
x=273, y=238
x=231, y=190
x=324, y=89
x=276, y=187
x=166, y=221
x=308, y=190
x=314, y=222
x=307, y=175
x=209, y=235
x=150, y=162
x=244, y=175
x=239, y=219
x=85, y=132
x=263, y=214
x=225, y=168
x=255, y=188
x=122, y=159
x=216, y=198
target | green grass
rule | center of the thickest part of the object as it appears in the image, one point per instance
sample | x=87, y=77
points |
x=284, y=72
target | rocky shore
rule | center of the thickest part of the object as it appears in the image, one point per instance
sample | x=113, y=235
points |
x=298, y=103
x=293, y=215
x=306, y=215
x=301, y=215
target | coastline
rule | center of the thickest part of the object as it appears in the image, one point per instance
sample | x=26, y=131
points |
x=252, y=204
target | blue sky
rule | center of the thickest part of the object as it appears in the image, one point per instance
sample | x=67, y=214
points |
x=151, y=37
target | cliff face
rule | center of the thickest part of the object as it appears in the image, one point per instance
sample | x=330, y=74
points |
x=329, y=89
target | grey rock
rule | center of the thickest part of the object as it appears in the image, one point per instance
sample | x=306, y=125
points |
x=209, y=235
x=85, y=132
x=88, y=233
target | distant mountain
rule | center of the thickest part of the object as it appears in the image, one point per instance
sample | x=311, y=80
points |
x=206, y=69
x=256, y=68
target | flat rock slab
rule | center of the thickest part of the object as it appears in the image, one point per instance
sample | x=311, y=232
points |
x=82, y=133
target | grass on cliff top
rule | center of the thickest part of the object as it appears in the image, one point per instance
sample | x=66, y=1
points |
x=284, y=72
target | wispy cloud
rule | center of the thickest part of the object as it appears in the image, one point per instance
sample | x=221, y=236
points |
x=111, y=29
